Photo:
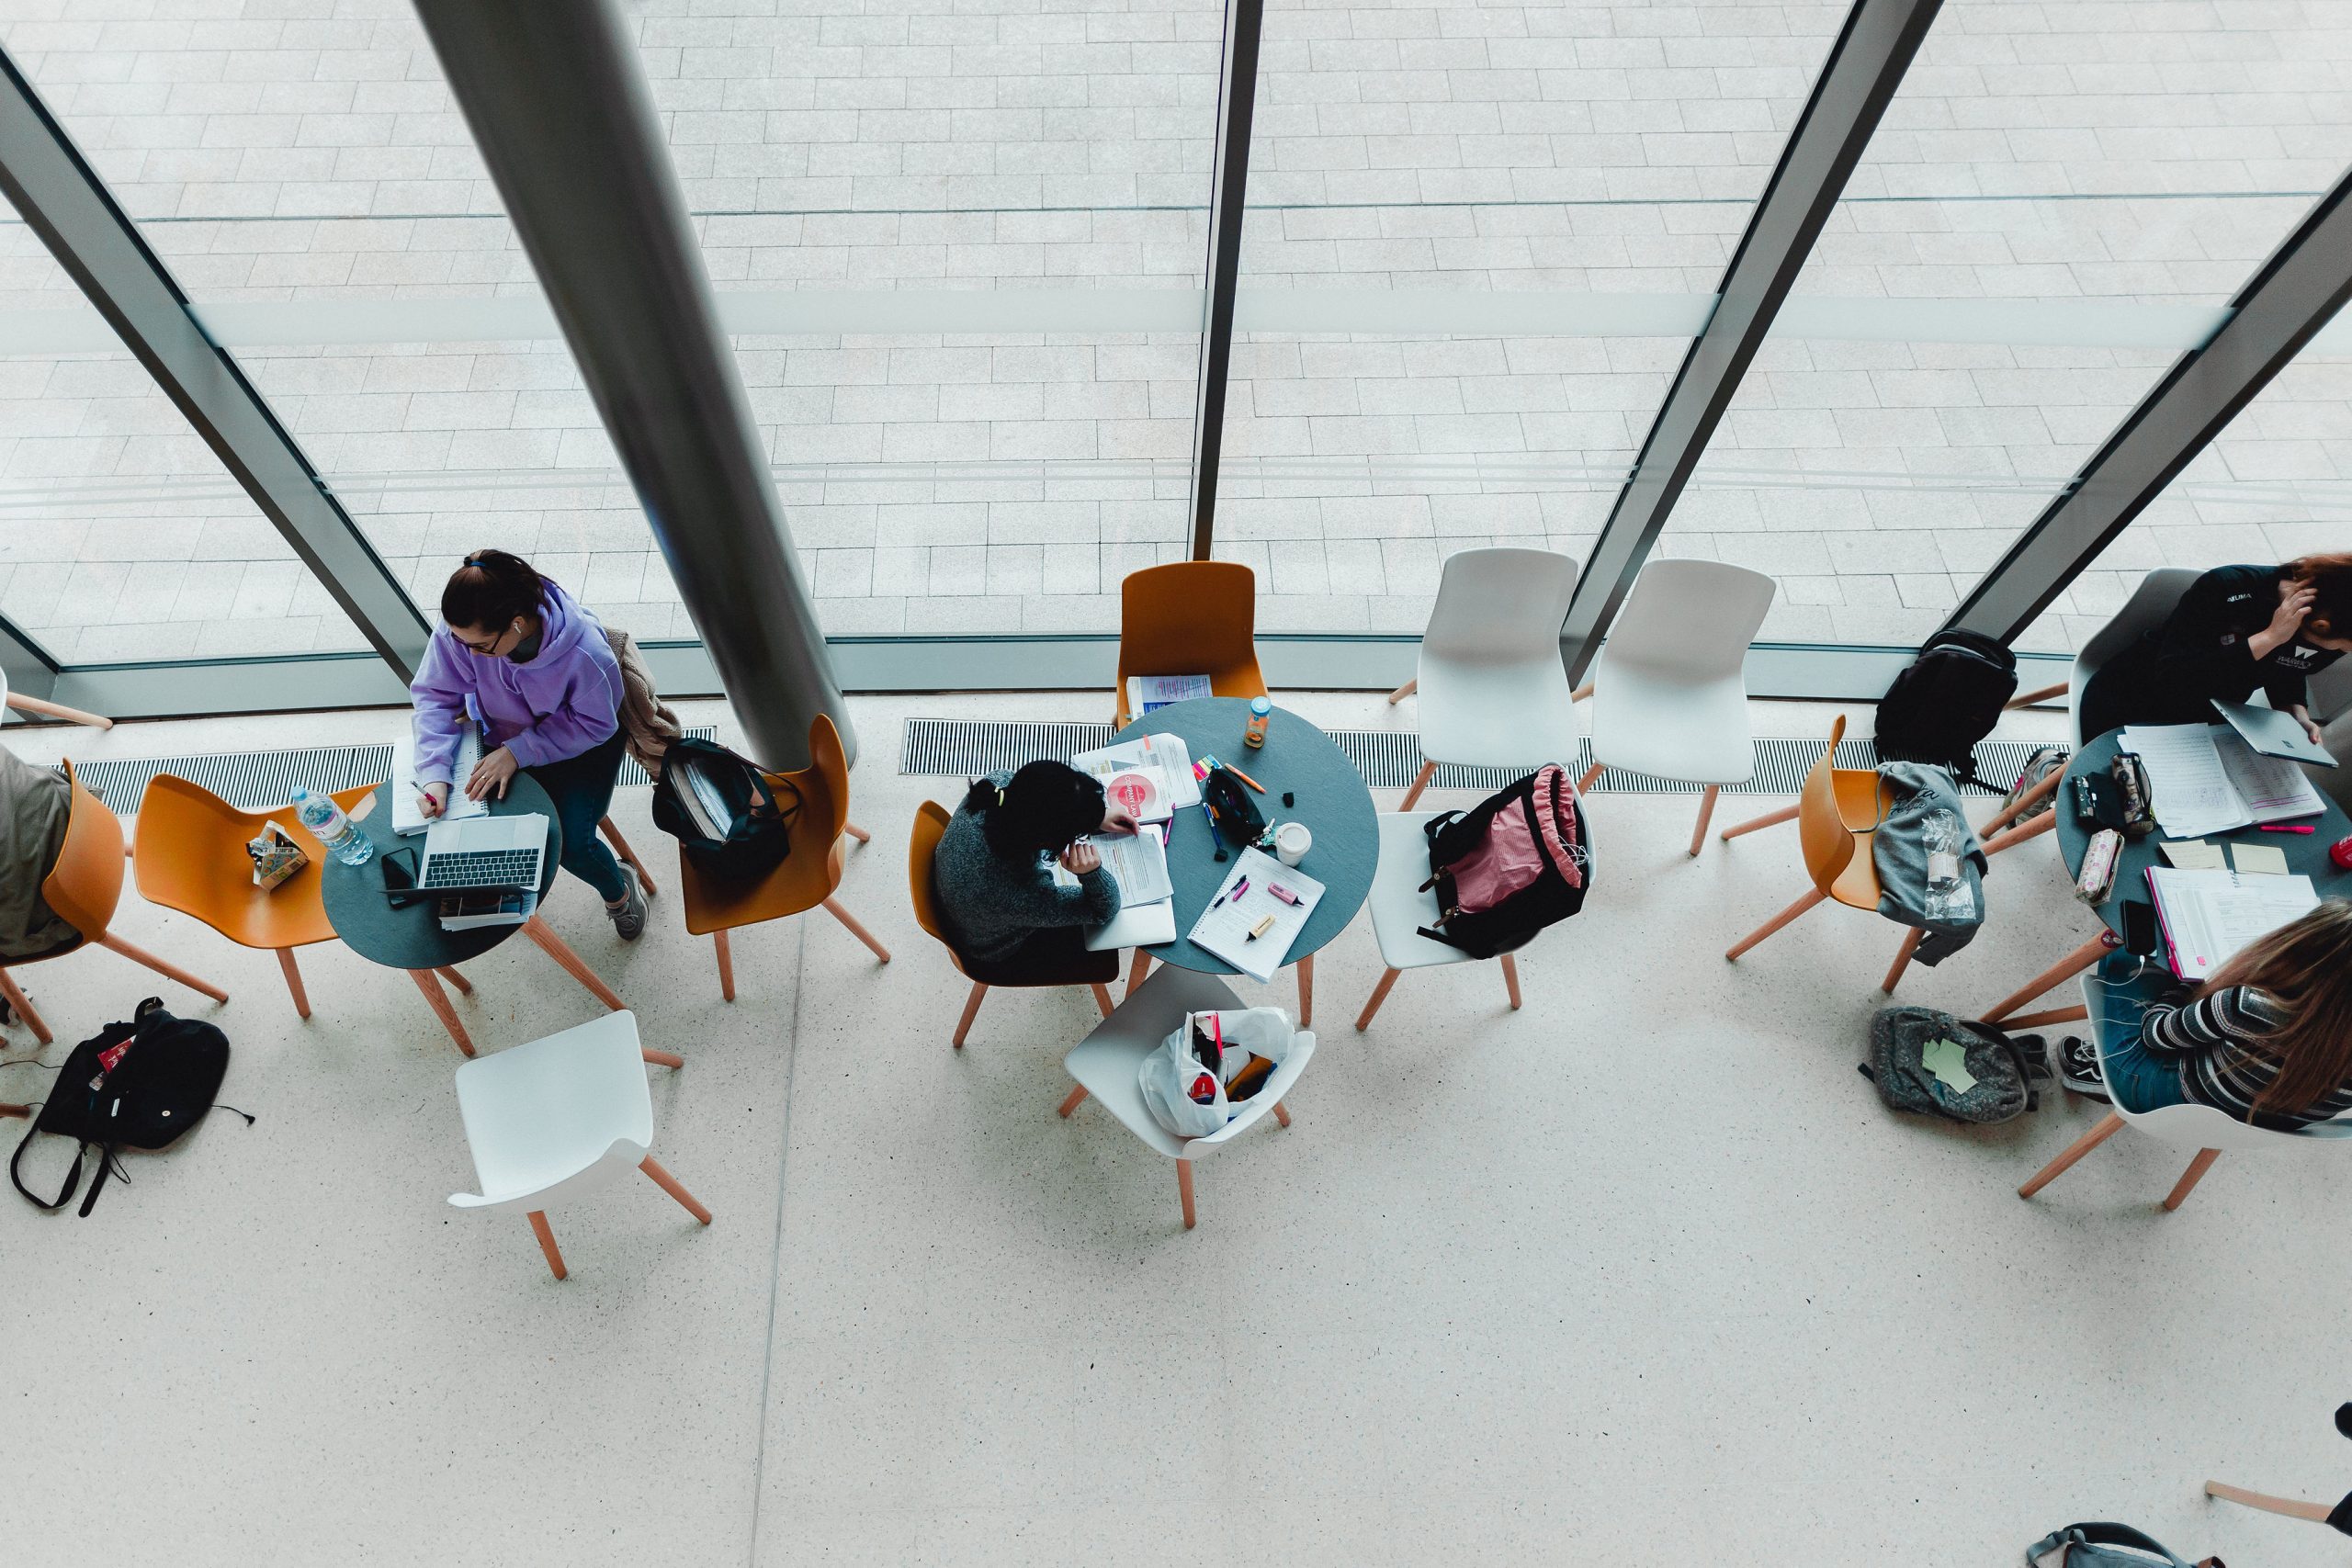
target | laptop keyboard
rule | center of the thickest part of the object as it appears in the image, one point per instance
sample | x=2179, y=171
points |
x=483, y=868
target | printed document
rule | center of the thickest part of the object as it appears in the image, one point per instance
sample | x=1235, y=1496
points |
x=1148, y=694
x=2209, y=914
x=1225, y=926
x=1162, y=756
x=406, y=818
x=2272, y=788
x=1137, y=861
x=2204, y=778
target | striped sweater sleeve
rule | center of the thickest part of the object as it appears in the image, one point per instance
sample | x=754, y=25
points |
x=2216, y=1040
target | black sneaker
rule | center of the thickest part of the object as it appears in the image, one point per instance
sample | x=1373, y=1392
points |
x=628, y=916
x=2078, y=1067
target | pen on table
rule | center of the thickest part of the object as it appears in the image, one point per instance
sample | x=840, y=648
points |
x=1245, y=778
x=2285, y=827
x=1215, y=837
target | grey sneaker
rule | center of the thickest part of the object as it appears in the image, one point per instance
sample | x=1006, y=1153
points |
x=629, y=915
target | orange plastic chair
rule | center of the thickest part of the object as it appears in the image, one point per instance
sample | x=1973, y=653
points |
x=1195, y=617
x=1837, y=814
x=803, y=879
x=84, y=887
x=189, y=855
x=931, y=825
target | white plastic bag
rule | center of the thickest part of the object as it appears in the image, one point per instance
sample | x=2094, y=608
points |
x=1173, y=1074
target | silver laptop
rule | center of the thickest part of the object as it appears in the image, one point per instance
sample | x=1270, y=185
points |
x=484, y=851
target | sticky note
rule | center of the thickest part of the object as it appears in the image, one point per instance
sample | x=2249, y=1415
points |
x=1948, y=1059
x=2192, y=854
x=2261, y=857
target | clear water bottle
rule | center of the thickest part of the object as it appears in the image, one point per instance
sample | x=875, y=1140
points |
x=332, y=828
x=1948, y=898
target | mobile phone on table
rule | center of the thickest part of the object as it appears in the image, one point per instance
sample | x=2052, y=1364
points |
x=2140, y=934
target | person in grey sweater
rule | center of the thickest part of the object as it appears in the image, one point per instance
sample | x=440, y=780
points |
x=993, y=870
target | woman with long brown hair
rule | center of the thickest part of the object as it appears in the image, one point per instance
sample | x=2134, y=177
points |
x=2268, y=1039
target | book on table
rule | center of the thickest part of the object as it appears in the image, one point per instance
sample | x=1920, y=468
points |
x=2204, y=778
x=2208, y=916
x=1138, y=865
x=1254, y=930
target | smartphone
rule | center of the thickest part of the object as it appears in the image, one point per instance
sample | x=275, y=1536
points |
x=2140, y=934
x=400, y=869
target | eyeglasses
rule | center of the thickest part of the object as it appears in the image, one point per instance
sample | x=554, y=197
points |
x=488, y=650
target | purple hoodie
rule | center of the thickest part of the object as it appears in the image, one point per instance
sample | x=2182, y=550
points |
x=565, y=701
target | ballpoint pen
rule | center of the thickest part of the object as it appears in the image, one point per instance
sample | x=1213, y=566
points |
x=2286, y=827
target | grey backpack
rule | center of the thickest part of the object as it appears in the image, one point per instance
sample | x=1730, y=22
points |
x=1900, y=1039
x=2103, y=1546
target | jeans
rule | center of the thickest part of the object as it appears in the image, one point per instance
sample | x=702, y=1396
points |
x=2138, y=1078
x=582, y=788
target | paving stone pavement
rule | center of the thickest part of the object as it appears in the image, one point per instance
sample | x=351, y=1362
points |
x=305, y=152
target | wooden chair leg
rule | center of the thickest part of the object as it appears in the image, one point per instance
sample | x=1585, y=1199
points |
x=2039, y=694
x=2191, y=1177
x=1902, y=959
x=2108, y=1127
x=547, y=1241
x=620, y=847
x=1813, y=897
x=24, y=1009
x=1706, y=815
x=1590, y=774
x=669, y=1183
x=2022, y=804
x=726, y=964
x=439, y=1000
x=1510, y=979
x=662, y=1058
x=1407, y=690
x=294, y=982
x=1420, y=783
x=58, y=710
x=1581, y=693
x=23, y=1111
x=2057, y=974
x=555, y=947
x=1185, y=1188
x=169, y=971
x=1379, y=994
x=854, y=831
x=1306, y=990
x=2012, y=837
x=1282, y=1114
x=1102, y=997
x=1769, y=819
x=2075, y=1014
x=1071, y=1101
x=1141, y=968
x=465, y=986
x=971, y=1011
x=2315, y=1512
x=833, y=908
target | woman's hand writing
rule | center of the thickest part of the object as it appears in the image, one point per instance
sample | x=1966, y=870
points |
x=433, y=799
x=1080, y=858
x=1115, y=821
x=491, y=775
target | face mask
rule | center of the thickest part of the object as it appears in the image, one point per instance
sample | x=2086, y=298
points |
x=529, y=648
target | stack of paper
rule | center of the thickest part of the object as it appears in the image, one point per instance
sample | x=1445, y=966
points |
x=1226, y=928
x=2209, y=914
x=1146, y=915
x=1148, y=694
x=406, y=817
x=1163, y=762
x=2204, y=778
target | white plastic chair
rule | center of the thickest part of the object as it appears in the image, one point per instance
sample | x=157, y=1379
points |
x=2198, y=1127
x=1493, y=692
x=1400, y=906
x=1670, y=698
x=559, y=1117
x=1107, y=1062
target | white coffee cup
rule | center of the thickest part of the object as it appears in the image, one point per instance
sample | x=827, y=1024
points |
x=1292, y=841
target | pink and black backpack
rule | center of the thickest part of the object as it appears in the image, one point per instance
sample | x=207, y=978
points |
x=1516, y=862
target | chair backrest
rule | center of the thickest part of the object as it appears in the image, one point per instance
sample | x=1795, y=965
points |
x=2146, y=610
x=922, y=843
x=86, y=884
x=2193, y=1126
x=616, y=1162
x=1827, y=843
x=823, y=785
x=1688, y=620
x=1187, y=618
x=1500, y=606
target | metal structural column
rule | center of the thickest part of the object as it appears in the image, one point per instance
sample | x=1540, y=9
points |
x=1865, y=65
x=1228, y=198
x=560, y=107
x=62, y=200
x=2281, y=308
x=27, y=669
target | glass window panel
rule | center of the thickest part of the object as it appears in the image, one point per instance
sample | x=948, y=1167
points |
x=122, y=539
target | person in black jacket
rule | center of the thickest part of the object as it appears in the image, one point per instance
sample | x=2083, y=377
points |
x=2236, y=628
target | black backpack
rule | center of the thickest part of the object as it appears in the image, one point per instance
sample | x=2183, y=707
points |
x=1945, y=700
x=158, y=1086
x=1496, y=855
x=726, y=813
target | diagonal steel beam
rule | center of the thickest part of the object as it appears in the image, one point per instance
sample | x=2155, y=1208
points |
x=63, y=201
x=1228, y=196
x=24, y=664
x=2281, y=308
x=1865, y=65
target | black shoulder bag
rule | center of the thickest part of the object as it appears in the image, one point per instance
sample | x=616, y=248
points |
x=138, y=1085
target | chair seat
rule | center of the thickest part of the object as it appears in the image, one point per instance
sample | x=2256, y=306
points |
x=542, y=1116
x=1107, y=1061
x=1497, y=716
x=1399, y=904
x=189, y=855
x=801, y=880
x=1696, y=732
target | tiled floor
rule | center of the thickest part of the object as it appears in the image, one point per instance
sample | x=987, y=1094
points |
x=303, y=156
x=1642, y=1273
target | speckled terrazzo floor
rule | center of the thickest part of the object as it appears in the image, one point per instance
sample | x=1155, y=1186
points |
x=1640, y=1274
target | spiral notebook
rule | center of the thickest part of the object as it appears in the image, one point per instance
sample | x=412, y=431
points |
x=1225, y=926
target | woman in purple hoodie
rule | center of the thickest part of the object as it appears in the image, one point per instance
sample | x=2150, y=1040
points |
x=536, y=667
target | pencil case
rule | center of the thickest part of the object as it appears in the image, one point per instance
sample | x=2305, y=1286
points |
x=2097, y=884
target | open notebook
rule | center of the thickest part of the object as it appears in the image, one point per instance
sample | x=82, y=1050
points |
x=2209, y=914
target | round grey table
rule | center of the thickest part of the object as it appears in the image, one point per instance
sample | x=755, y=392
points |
x=2306, y=855
x=1330, y=798
x=410, y=936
